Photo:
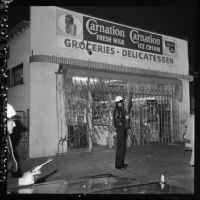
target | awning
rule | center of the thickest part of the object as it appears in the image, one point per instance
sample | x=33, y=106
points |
x=88, y=68
x=106, y=67
x=106, y=75
x=128, y=77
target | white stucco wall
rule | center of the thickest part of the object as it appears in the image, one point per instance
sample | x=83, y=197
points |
x=43, y=30
x=18, y=95
x=43, y=117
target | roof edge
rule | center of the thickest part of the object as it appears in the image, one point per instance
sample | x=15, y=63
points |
x=18, y=29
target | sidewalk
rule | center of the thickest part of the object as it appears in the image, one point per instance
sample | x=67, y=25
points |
x=146, y=163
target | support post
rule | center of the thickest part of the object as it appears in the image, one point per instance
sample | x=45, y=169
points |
x=89, y=117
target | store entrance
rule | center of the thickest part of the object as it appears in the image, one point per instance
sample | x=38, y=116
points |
x=88, y=104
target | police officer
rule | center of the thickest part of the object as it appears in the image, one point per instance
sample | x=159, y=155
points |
x=28, y=177
x=119, y=118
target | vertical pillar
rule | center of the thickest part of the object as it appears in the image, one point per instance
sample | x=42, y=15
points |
x=110, y=139
x=65, y=110
x=128, y=88
x=172, y=116
x=89, y=117
x=191, y=127
x=61, y=117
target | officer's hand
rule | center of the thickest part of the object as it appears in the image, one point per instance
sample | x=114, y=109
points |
x=28, y=178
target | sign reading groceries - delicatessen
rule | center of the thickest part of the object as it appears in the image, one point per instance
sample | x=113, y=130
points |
x=76, y=31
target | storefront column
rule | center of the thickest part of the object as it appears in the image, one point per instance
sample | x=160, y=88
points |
x=172, y=121
x=110, y=139
x=90, y=119
x=61, y=114
x=128, y=141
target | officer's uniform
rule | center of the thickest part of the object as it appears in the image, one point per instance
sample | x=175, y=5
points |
x=120, y=125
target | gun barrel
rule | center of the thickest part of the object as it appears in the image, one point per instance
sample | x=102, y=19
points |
x=40, y=166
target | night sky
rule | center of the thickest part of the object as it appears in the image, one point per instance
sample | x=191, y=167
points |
x=176, y=21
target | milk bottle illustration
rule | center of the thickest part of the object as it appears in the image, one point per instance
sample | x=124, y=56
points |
x=70, y=27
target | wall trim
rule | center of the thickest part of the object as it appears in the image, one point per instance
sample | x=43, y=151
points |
x=88, y=64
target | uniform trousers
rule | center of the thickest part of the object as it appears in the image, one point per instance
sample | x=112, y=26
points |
x=121, y=146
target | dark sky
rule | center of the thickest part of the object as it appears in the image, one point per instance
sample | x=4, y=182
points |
x=175, y=21
x=178, y=21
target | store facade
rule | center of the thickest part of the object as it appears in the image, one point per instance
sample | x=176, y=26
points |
x=74, y=67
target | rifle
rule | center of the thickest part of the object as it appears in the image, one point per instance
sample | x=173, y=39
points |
x=129, y=105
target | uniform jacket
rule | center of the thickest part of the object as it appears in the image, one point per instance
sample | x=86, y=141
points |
x=11, y=165
x=119, y=117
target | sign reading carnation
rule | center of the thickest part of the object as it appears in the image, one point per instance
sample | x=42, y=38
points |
x=82, y=32
x=104, y=32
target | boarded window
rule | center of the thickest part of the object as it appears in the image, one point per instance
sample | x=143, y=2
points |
x=15, y=75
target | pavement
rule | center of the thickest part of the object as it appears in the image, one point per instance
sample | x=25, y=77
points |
x=146, y=163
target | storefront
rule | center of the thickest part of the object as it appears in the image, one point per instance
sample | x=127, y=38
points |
x=76, y=66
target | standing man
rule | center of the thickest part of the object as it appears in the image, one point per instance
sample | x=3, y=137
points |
x=119, y=117
x=12, y=165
